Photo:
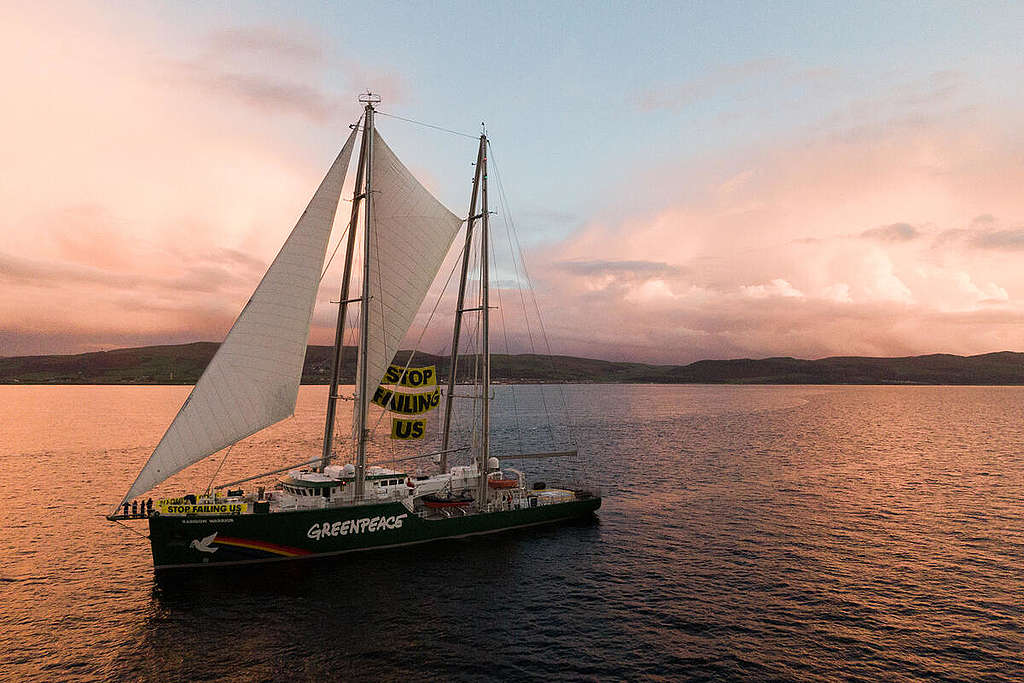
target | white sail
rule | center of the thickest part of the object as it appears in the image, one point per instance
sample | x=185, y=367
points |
x=253, y=380
x=412, y=233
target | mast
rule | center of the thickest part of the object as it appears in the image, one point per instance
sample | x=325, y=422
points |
x=364, y=319
x=459, y=308
x=485, y=349
x=339, y=332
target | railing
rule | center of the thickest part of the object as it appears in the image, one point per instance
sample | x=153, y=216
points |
x=120, y=516
x=582, y=491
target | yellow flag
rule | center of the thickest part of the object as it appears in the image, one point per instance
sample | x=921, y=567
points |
x=406, y=403
x=408, y=429
x=411, y=377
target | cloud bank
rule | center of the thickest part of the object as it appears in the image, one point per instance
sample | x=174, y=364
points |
x=155, y=181
x=150, y=182
x=899, y=242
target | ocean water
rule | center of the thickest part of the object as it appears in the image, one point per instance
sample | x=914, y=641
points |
x=747, y=533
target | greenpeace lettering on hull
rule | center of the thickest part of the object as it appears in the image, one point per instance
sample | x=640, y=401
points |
x=355, y=526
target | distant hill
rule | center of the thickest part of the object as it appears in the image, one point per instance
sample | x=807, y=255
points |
x=183, y=363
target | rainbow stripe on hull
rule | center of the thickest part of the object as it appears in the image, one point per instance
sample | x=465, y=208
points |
x=266, y=547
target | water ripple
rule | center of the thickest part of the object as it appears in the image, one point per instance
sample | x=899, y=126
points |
x=748, y=533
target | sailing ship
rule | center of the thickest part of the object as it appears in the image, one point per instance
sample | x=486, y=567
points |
x=321, y=508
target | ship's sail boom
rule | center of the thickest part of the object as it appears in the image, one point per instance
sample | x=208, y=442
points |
x=253, y=380
x=410, y=237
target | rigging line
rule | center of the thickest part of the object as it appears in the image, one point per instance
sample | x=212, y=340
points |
x=334, y=253
x=509, y=227
x=508, y=353
x=470, y=357
x=428, y=125
x=380, y=298
x=353, y=330
x=533, y=294
x=335, y=441
x=134, y=531
x=508, y=348
x=456, y=425
x=423, y=330
x=478, y=345
x=470, y=354
x=509, y=230
x=224, y=460
x=446, y=349
x=384, y=336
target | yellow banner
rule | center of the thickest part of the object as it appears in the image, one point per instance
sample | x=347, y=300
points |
x=405, y=403
x=411, y=377
x=408, y=429
x=188, y=499
x=167, y=507
x=164, y=502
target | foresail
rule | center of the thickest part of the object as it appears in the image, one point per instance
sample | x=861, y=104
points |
x=412, y=233
x=253, y=380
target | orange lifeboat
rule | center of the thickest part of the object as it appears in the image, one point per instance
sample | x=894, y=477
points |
x=438, y=502
x=500, y=483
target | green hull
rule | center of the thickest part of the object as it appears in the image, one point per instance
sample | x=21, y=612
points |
x=196, y=541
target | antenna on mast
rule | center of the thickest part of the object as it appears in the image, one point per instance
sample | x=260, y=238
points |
x=369, y=98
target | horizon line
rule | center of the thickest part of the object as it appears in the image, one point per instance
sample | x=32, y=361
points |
x=552, y=355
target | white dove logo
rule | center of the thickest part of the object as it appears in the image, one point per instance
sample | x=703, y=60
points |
x=203, y=546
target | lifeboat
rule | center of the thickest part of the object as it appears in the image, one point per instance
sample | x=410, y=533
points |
x=436, y=502
x=499, y=483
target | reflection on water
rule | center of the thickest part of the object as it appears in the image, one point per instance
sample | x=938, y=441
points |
x=747, y=533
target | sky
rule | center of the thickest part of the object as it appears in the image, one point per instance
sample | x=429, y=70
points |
x=687, y=180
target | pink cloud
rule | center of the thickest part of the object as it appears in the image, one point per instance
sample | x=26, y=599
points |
x=829, y=247
x=146, y=202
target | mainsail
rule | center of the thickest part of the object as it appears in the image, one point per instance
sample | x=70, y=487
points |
x=253, y=380
x=412, y=233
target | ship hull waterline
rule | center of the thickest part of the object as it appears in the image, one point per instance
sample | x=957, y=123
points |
x=199, y=541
